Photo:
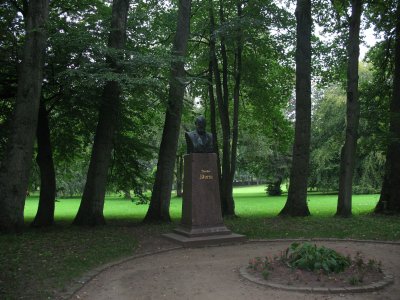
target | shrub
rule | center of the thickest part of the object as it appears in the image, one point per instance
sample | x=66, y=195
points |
x=274, y=190
x=310, y=257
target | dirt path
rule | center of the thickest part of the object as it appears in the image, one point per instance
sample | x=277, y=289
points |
x=212, y=273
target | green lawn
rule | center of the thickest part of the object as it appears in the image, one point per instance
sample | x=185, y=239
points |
x=250, y=202
x=35, y=263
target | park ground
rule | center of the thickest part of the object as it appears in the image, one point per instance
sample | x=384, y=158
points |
x=38, y=264
x=213, y=273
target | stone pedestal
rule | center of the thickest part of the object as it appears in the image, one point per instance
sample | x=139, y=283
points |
x=202, y=222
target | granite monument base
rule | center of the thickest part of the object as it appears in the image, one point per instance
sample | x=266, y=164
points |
x=202, y=223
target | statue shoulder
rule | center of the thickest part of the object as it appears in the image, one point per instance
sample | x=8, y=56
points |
x=191, y=134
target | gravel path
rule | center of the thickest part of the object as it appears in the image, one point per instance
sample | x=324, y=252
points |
x=212, y=273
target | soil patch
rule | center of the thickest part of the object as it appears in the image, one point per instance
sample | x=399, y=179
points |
x=279, y=272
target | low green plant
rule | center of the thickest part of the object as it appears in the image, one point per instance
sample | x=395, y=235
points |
x=358, y=260
x=354, y=280
x=371, y=265
x=306, y=256
x=261, y=265
x=374, y=265
x=265, y=274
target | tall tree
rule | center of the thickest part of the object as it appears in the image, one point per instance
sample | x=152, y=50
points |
x=161, y=193
x=389, y=200
x=91, y=208
x=222, y=86
x=296, y=204
x=228, y=207
x=213, y=119
x=236, y=98
x=215, y=78
x=44, y=159
x=15, y=167
x=348, y=152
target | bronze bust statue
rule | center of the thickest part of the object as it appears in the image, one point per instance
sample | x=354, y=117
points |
x=199, y=141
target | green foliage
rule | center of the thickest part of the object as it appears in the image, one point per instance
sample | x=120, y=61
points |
x=312, y=258
x=11, y=31
x=71, y=176
x=354, y=280
x=267, y=78
x=328, y=128
x=265, y=274
x=141, y=197
x=329, y=46
x=328, y=125
x=263, y=150
x=76, y=70
x=382, y=13
x=265, y=157
x=309, y=257
x=274, y=190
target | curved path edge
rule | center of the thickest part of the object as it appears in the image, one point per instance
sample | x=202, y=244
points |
x=387, y=279
x=79, y=283
x=324, y=240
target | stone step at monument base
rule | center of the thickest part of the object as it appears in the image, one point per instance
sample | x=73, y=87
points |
x=205, y=240
x=200, y=231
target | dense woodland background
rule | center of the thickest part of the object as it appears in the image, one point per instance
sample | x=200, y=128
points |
x=112, y=85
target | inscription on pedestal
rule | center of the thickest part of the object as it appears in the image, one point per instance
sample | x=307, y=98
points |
x=206, y=175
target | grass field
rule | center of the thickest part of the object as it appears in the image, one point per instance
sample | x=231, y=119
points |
x=250, y=202
x=38, y=262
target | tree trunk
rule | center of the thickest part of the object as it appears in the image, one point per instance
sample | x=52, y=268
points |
x=179, y=175
x=45, y=214
x=161, y=194
x=228, y=207
x=348, y=152
x=15, y=168
x=214, y=70
x=389, y=201
x=91, y=208
x=296, y=204
x=222, y=99
x=229, y=143
x=235, y=122
x=213, y=118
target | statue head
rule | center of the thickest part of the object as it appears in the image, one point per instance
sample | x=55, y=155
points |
x=200, y=123
x=199, y=141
